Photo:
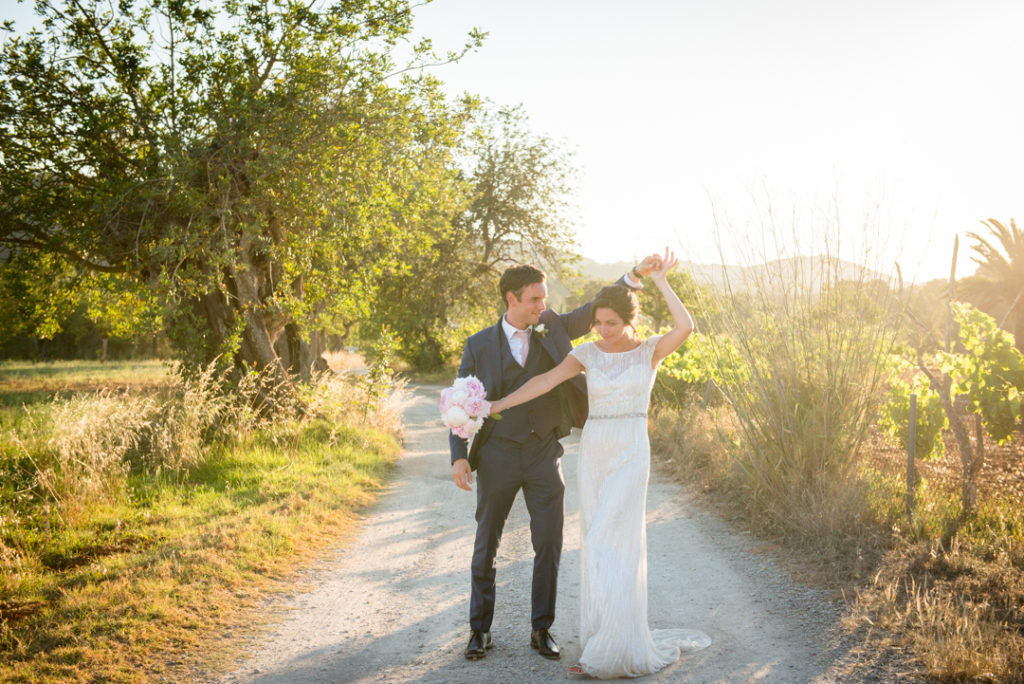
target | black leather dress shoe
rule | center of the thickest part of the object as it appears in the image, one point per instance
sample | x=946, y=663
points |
x=478, y=642
x=542, y=640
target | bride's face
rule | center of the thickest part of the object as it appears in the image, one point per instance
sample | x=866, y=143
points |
x=608, y=324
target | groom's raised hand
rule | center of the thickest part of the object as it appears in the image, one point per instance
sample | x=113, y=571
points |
x=462, y=474
x=648, y=265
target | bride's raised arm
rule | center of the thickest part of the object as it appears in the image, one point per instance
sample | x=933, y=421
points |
x=539, y=384
x=681, y=319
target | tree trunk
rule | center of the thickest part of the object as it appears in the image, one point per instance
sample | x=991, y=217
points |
x=272, y=344
x=213, y=307
x=970, y=462
x=257, y=343
x=970, y=485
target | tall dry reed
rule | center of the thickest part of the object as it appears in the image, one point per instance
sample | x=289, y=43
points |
x=813, y=334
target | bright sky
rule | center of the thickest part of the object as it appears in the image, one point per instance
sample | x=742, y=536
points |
x=910, y=109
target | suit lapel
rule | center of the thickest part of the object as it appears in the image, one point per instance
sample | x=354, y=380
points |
x=549, y=346
x=499, y=347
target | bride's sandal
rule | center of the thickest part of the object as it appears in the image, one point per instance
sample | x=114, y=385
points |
x=576, y=670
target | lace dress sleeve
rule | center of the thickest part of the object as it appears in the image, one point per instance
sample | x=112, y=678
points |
x=582, y=353
x=648, y=348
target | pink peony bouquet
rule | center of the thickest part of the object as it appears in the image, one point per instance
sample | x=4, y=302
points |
x=463, y=406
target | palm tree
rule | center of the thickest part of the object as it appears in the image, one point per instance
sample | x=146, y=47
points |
x=997, y=287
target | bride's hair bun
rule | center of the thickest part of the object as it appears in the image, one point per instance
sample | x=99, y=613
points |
x=619, y=299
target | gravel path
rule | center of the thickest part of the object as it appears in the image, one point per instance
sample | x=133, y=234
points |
x=393, y=606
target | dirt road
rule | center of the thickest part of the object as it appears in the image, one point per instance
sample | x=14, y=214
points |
x=393, y=606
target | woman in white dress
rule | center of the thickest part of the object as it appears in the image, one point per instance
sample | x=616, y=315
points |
x=614, y=466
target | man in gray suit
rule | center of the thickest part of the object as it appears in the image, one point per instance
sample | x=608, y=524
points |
x=521, y=451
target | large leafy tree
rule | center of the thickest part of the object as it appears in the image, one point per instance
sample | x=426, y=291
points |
x=522, y=184
x=518, y=186
x=997, y=287
x=258, y=169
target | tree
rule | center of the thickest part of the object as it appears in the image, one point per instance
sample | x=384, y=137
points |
x=517, y=185
x=585, y=293
x=259, y=169
x=521, y=188
x=997, y=287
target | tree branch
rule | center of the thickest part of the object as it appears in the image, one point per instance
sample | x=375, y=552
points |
x=55, y=248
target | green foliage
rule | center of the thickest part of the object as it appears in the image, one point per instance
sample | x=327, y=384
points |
x=514, y=186
x=585, y=293
x=703, y=358
x=37, y=293
x=990, y=373
x=521, y=183
x=698, y=299
x=987, y=376
x=380, y=375
x=255, y=169
x=931, y=417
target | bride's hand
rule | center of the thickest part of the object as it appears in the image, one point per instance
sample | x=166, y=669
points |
x=668, y=262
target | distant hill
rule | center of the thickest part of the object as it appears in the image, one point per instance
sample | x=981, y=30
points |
x=808, y=270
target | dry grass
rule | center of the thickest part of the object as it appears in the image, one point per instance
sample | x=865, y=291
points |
x=25, y=381
x=961, y=610
x=694, y=444
x=697, y=447
x=952, y=588
x=344, y=361
x=341, y=398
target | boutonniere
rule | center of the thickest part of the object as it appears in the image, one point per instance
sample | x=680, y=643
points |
x=540, y=329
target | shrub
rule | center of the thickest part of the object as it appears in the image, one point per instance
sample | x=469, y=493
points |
x=812, y=336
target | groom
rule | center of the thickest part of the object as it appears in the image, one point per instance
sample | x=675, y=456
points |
x=521, y=451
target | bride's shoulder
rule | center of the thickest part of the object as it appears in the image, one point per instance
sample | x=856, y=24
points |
x=583, y=350
x=651, y=342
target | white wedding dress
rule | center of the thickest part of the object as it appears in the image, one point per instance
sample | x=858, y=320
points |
x=614, y=465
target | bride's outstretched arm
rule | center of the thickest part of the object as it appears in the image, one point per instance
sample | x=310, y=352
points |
x=681, y=319
x=540, y=384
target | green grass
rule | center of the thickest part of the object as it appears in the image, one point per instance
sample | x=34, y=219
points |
x=146, y=584
x=24, y=382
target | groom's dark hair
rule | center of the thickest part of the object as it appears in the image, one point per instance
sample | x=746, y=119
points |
x=516, y=278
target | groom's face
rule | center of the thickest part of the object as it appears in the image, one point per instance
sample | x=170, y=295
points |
x=526, y=310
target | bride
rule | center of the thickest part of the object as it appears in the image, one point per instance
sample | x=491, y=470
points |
x=614, y=466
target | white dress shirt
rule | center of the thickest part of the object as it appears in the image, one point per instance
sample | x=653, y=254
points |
x=632, y=283
x=515, y=343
